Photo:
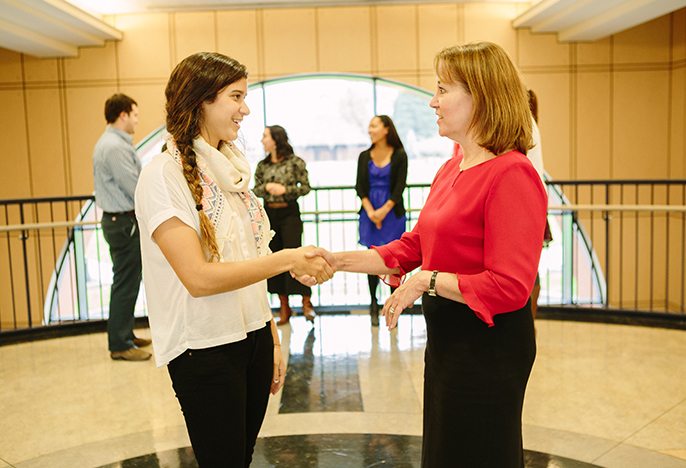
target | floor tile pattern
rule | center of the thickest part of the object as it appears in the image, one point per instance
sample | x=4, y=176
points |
x=610, y=396
x=316, y=382
x=332, y=451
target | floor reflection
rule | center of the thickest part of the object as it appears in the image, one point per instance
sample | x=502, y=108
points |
x=332, y=451
x=321, y=377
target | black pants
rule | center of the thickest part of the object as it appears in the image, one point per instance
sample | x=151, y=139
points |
x=223, y=392
x=288, y=228
x=122, y=235
x=474, y=383
x=373, y=281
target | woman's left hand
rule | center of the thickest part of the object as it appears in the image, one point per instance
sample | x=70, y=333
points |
x=279, y=376
x=404, y=297
x=376, y=217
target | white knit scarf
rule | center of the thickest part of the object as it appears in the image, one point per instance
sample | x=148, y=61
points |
x=227, y=170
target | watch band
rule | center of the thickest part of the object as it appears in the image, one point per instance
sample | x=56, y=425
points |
x=432, y=284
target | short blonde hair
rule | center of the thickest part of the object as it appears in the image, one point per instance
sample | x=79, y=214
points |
x=502, y=118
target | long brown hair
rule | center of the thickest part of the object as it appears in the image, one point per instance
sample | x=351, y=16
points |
x=197, y=79
x=283, y=146
x=392, y=138
x=502, y=119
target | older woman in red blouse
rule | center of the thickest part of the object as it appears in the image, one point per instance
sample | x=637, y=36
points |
x=477, y=242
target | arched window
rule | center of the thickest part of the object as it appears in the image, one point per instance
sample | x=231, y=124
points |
x=327, y=117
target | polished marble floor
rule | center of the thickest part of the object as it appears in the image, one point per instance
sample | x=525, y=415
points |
x=600, y=395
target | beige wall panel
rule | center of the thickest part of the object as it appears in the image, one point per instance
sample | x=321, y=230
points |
x=145, y=51
x=289, y=41
x=593, y=127
x=438, y=28
x=552, y=91
x=40, y=70
x=427, y=81
x=344, y=40
x=407, y=78
x=396, y=42
x=193, y=32
x=645, y=43
x=13, y=287
x=491, y=22
x=86, y=120
x=541, y=50
x=10, y=66
x=92, y=64
x=594, y=53
x=151, y=113
x=237, y=37
x=677, y=282
x=679, y=34
x=13, y=129
x=640, y=125
x=45, y=125
x=677, y=145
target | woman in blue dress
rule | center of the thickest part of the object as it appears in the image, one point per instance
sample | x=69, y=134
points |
x=381, y=180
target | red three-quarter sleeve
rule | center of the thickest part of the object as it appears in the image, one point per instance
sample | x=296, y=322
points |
x=514, y=222
x=486, y=226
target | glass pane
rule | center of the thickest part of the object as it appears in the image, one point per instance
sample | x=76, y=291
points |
x=326, y=119
x=416, y=125
x=250, y=134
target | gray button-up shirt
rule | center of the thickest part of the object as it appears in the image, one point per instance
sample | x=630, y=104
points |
x=116, y=168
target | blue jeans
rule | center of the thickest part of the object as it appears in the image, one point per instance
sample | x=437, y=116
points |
x=122, y=235
x=223, y=392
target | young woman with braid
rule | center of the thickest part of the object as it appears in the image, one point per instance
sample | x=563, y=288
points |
x=204, y=240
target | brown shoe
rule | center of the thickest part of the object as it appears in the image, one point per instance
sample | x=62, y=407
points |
x=131, y=354
x=141, y=342
x=308, y=310
x=285, y=312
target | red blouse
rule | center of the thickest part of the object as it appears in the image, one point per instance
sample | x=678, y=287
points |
x=486, y=225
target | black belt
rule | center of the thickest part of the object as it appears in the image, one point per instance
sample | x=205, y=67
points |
x=109, y=213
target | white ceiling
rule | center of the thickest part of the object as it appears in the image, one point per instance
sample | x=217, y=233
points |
x=57, y=28
x=50, y=28
x=589, y=20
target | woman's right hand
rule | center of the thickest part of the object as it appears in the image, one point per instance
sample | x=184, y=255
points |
x=316, y=267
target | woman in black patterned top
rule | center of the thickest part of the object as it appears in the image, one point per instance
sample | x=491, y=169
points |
x=280, y=179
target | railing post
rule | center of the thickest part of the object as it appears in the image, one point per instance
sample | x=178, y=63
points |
x=24, y=236
x=567, y=258
x=80, y=272
x=607, y=218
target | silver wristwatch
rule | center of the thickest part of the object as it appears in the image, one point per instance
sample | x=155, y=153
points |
x=432, y=284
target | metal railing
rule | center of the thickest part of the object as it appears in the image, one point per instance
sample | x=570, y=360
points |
x=617, y=246
x=636, y=231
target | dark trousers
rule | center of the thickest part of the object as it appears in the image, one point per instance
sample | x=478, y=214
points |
x=122, y=234
x=288, y=228
x=223, y=392
x=373, y=281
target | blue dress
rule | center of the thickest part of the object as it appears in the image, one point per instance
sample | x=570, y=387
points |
x=379, y=193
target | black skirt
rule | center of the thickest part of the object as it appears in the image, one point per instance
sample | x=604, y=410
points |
x=474, y=383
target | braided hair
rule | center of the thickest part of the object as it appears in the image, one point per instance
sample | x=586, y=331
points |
x=197, y=79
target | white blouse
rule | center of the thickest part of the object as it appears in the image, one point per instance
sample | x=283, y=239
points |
x=179, y=321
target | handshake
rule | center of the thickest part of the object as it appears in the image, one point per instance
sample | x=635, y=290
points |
x=313, y=265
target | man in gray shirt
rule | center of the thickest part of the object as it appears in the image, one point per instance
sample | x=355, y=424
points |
x=116, y=167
